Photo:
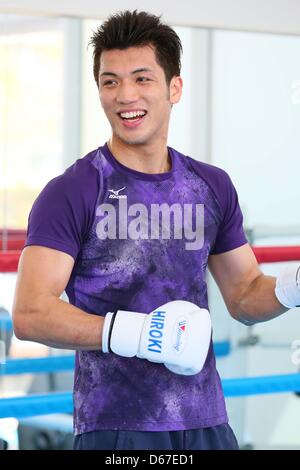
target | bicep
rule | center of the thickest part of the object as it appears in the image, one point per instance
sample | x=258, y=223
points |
x=42, y=272
x=233, y=272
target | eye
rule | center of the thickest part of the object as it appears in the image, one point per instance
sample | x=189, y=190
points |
x=143, y=79
x=109, y=83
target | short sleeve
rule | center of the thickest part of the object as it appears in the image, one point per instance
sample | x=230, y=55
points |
x=63, y=212
x=231, y=233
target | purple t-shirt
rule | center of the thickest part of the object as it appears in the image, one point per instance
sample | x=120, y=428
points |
x=139, y=240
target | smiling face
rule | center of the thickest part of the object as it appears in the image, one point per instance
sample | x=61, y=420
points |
x=135, y=95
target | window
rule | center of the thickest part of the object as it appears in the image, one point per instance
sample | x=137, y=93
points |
x=31, y=110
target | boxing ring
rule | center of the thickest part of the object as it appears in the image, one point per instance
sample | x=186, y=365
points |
x=61, y=402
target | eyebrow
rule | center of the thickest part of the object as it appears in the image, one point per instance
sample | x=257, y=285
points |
x=142, y=69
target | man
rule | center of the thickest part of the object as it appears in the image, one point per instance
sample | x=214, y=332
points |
x=128, y=231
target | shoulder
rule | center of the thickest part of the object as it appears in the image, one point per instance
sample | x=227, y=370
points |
x=64, y=210
x=207, y=171
x=75, y=190
x=215, y=177
x=81, y=175
x=77, y=185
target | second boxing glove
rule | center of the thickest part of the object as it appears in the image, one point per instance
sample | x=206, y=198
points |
x=287, y=288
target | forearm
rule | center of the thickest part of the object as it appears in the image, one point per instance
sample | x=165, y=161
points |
x=259, y=302
x=58, y=324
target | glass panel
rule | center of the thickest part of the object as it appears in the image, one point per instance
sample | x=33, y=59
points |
x=255, y=126
x=31, y=110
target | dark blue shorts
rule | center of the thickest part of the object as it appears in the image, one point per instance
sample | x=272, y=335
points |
x=215, y=438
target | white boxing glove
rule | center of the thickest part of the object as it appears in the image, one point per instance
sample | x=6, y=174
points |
x=287, y=288
x=177, y=334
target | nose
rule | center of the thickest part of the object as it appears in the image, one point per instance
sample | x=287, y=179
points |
x=127, y=93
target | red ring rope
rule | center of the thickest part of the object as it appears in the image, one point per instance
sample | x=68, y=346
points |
x=12, y=239
x=9, y=261
x=276, y=254
x=264, y=254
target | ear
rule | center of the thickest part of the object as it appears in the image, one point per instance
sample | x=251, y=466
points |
x=175, y=89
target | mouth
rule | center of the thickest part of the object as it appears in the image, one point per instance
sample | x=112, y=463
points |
x=132, y=118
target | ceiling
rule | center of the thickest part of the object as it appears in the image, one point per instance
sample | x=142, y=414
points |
x=272, y=16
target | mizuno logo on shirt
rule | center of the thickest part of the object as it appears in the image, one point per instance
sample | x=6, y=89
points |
x=115, y=194
x=156, y=331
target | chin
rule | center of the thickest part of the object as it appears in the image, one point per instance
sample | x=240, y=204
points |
x=133, y=140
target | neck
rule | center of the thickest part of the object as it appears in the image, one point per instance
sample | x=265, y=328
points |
x=142, y=158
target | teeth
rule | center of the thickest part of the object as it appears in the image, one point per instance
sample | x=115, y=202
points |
x=132, y=114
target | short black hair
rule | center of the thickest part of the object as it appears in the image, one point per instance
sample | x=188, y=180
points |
x=133, y=28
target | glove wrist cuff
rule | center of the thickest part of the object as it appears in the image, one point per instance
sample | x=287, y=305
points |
x=124, y=332
x=107, y=331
